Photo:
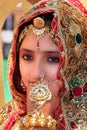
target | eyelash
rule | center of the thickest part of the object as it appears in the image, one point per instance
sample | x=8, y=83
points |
x=51, y=59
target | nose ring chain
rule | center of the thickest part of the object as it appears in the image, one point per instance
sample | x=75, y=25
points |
x=39, y=94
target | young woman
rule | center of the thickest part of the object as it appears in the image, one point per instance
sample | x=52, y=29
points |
x=48, y=69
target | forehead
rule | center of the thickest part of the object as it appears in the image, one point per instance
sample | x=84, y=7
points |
x=45, y=43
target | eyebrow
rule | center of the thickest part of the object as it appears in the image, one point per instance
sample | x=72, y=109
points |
x=47, y=51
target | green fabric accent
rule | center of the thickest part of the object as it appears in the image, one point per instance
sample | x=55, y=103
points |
x=75, y=81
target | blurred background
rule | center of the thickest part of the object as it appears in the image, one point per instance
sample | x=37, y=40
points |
x=10, y=12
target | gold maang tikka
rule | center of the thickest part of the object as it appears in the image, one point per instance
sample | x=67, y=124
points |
x=37, y=29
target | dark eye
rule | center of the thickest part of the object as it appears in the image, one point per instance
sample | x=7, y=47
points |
x=27, y=57
x=53, y=59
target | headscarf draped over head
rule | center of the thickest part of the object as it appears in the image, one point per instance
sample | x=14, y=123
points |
x=69, y=31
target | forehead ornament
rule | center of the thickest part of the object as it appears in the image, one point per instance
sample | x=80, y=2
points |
x=38, y=23
x=37, y=28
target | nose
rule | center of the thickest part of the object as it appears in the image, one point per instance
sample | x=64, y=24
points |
x=37, y=72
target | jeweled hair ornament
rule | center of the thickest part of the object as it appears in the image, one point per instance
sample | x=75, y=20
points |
x=38, y=29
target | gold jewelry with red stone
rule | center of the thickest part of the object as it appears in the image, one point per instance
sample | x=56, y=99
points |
x=38, y=22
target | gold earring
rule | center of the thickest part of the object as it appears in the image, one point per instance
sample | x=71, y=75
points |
x=23, y=86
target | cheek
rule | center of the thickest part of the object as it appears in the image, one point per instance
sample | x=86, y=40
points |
x=24, y=73
x=51, y=72
x=55, y=88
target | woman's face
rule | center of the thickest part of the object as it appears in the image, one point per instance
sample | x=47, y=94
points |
x=36, y=64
